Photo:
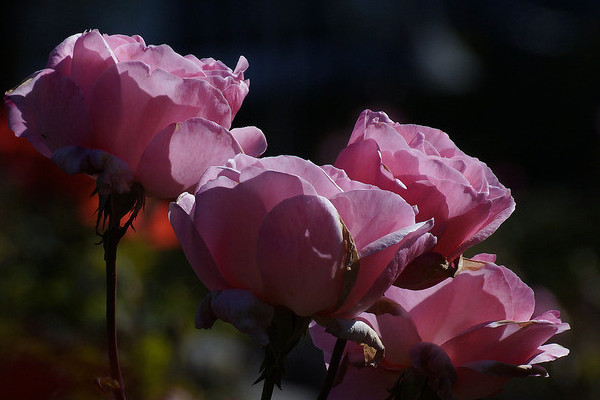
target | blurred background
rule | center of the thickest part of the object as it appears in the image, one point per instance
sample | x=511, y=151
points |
x=514, y=83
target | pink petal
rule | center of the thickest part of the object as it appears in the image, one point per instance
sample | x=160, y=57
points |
x=241, y=66
x=162, y=57
x=91, y=57
x=371, y=285
x=117, y=40
x=292, y=165
x=365, y=121
x=300, y=252
x=130, y=105
x=61, y=57
x=378, y=221
x=372, y=214
x=228, y=221
x=251, y=139
x=235, y=93
x=193, y=245
x=462, y=231
x=273, y=186
x=49, y=110
x=370, y=169
x=230, y=83
x=215, y=172
x=438, y=142
x=399, y=334
x=341, y=179
x=549, y=352
x=447, y=308
x=179, y=154
x=322, y=340
x=355, y=331
x=243, y=161
x=554, y=317
x=508, y=342
x=501, y=208
x=431, y=360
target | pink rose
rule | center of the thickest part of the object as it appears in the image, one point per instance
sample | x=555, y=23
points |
x=426, y=168
x=283, y=229
x=110, y=106
x=466, y=336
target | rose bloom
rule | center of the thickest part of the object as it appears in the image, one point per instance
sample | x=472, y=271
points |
x=294, y=234
x=108, y=105
x=426, y=168
x=468, y=336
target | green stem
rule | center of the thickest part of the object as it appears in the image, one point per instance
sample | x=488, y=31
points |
x=334, y=365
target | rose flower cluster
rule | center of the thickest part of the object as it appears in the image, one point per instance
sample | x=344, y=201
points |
x=368, y=250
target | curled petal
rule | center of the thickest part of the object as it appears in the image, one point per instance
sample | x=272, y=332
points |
x=49, y=110
x=371, y=168
x=60, y=58
x=549, y=352
x=251, y=139
x=357, y=332
x=384, y=262
x=503, y=341
x=241, y=309
x=341, y=179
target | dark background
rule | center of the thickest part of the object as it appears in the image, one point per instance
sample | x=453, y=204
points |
x=514, y=83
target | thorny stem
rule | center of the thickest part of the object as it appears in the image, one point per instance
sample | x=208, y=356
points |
x=334, y=365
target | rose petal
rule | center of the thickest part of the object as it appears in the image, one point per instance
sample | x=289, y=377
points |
x=130, y=105
x=163, y=57
x=370, y=169
x=91, y=57
x=193, y=245
x=60, y=58
x=308, y=171
x=241, y=309
x=48, y=109
x=372, y=280
x=508, y=342
x=251, y=139
x=229, y=219
x=300, y=252
x=179, y=154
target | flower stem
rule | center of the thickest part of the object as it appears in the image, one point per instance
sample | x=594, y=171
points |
x=112, y=208
x=110, y=241
x=334, y=364
x=267, y=391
